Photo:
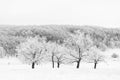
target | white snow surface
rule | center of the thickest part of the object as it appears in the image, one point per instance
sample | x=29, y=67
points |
x=13, y=69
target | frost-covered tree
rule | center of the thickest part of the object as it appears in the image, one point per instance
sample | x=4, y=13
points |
x=51, y=47
x=32, y=51
x=95, y=56
x=56, y=53
x=78, y=43
x=60, y=56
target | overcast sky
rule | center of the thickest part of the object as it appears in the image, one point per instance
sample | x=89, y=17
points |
x=104, y=13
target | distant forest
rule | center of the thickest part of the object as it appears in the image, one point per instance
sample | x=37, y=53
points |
x=11, y=35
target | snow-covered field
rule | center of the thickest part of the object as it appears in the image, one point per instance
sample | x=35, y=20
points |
x=13, y=69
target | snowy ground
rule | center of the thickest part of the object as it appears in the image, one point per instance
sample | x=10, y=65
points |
x=13, y=69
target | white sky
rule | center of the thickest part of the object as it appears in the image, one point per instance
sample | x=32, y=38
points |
x=77, y=12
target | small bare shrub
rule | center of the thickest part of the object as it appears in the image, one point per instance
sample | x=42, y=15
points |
x=114, y=55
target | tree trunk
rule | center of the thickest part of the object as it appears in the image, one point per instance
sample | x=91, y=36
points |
x=78, y=63
x=53, y=61
x=33, y=65
x=58, y=65
x=95, y=65
x=53, y=64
